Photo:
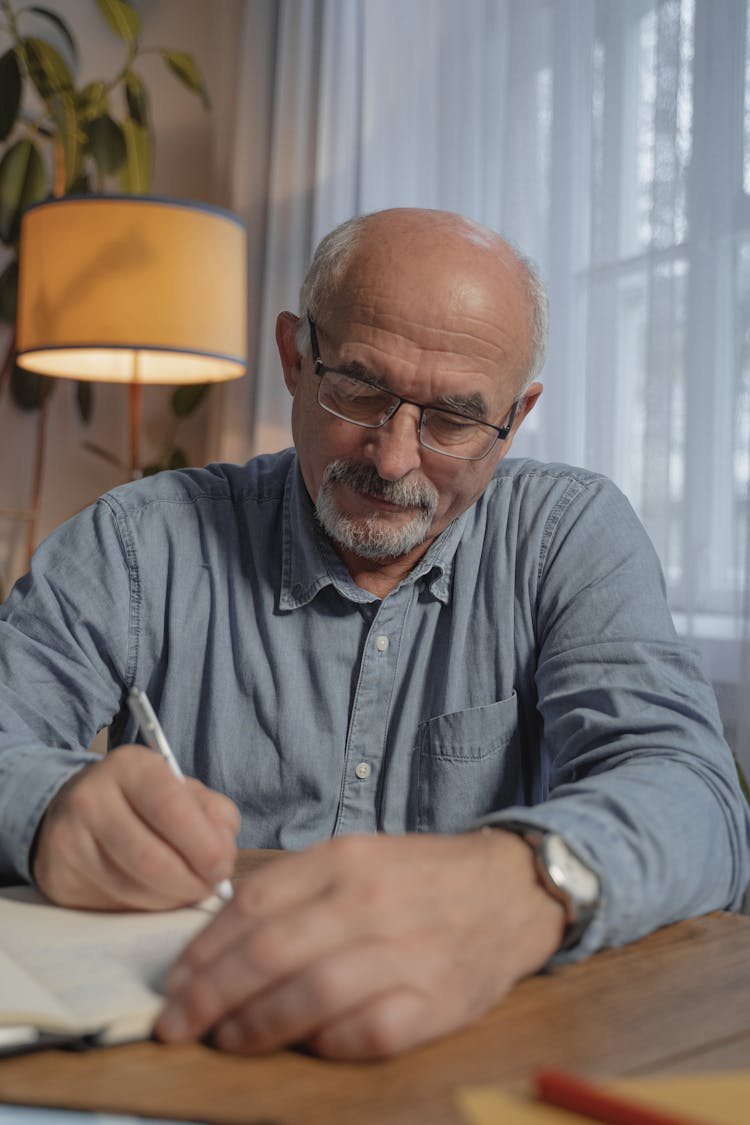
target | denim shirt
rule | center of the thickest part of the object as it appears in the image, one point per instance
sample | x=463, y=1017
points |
x=526, y=668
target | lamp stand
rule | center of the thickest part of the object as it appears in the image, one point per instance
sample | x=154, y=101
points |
x=135, y=415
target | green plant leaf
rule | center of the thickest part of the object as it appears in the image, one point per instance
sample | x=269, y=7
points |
x=92, y=101
x=188, y=398
x=178, y=459
x=61, y=27
x=122, y=17
x=23, y=181
x=106, y=143
x=105, y=454
x=135, y=174
x=9, y=292
x=136, y=98
x=47, y=68
x=10, y=92
x=28, y=389
x=183, y=66
x=68, y=132
x=85, y=399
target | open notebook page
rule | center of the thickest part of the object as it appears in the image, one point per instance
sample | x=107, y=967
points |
x=102, y=969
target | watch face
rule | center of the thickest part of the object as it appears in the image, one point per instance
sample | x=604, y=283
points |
x=569, y=873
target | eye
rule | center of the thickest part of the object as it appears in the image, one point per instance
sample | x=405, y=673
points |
x=354, y=390
x=449, y=427
x=353, y=397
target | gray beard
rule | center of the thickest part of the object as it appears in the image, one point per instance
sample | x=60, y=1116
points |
x=373, y=537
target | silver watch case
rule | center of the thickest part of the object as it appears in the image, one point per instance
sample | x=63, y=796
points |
x=566, y=877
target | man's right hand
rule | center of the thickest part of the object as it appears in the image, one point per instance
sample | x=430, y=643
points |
x=125, y=833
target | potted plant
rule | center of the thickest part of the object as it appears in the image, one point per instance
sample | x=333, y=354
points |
x=58, y=137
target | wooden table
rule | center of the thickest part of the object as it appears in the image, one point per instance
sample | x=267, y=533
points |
x=676, y=1002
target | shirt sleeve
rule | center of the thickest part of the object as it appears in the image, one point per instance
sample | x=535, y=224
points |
x=641, y=781
x=65, y=641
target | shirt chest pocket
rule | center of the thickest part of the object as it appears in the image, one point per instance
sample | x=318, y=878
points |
x=467, y=764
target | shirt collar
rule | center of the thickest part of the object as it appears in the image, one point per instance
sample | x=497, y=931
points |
x=309, y=562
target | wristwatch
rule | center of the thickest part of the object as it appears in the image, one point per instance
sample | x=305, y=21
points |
x=564, y=875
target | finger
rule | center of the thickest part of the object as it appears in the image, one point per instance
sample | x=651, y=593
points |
x=171, y=811
x=236, y=963
x=293, y=910
x=390, y=1023
x=298, y=907
x=68, y=866
x=136, y=867
x=260, y=900
x=290, y=1010
x=299, y=1008
x=94, y=852
x=222, y=813
x=288, y=974
x=278, y=967
x=146, y=873
x=96, y=849
x=296, y=878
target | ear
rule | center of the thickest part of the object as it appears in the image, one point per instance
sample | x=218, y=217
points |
x=286, y=341
x=527, y=404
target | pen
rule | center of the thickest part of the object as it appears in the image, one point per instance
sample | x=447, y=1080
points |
x=568, y=1092
x=151, y=729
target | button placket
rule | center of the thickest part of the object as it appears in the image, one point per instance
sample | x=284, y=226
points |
x=368, y=725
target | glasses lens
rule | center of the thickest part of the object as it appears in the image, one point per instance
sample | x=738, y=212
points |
x=457, y=436
x=366, y=405
x=354, y=400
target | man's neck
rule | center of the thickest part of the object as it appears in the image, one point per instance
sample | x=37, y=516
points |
x=380, y=576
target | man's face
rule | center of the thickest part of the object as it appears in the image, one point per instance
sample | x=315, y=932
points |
x=434, y=330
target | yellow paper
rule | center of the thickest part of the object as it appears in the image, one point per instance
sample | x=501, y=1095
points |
x=489, y=1105
x=711, y=1099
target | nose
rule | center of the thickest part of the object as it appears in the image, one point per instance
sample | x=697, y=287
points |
x=394, y=448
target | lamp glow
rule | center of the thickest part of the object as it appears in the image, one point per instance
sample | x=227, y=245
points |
x=132, y=290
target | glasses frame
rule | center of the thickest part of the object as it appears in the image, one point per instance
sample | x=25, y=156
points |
x=501, y=432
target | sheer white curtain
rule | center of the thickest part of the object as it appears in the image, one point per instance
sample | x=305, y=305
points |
x=364, y=109
x=611, y=141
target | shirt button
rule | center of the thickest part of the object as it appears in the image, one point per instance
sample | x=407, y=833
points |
x=382, y=642
x=362, y=770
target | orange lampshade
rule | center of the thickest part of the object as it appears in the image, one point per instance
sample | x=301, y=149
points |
x=132, y=289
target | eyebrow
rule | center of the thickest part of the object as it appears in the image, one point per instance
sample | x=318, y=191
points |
x=472, y=405
x=358, y=371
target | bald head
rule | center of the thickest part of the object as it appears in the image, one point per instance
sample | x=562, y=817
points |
x=449, y=258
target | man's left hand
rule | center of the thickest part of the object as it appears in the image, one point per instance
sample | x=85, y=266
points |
x=365, y=946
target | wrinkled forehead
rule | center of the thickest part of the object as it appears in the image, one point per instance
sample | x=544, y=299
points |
x=443, y=285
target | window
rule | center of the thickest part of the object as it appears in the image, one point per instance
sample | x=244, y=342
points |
x=667, y=286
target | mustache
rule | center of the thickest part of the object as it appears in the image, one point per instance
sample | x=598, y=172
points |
x=366, y=480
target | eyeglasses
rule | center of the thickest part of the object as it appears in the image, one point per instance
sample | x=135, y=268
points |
x=366, y=404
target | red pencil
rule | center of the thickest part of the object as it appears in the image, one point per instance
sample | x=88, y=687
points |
x=568, y=1092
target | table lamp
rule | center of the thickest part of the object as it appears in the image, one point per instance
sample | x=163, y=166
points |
x=135, y=290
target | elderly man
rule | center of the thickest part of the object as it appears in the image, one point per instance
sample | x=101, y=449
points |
x=448, y=682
